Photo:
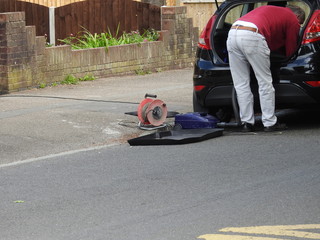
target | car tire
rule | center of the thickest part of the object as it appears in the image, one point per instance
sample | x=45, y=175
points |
x=223, y=114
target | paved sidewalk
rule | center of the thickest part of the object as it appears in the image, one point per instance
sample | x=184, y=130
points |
x=40, y=122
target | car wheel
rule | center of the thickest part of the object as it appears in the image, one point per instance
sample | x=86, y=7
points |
x=223, y=114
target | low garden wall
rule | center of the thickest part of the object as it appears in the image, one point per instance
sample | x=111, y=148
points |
x=26, y=62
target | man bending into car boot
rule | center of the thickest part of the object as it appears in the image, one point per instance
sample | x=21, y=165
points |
x=251, y=39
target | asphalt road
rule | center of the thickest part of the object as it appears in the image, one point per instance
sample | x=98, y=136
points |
x=169, y=192
x=38, y=122
x=77, y=182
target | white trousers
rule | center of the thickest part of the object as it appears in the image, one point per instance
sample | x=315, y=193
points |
x=247, y=48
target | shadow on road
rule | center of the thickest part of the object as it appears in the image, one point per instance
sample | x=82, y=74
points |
x=300, y=119
x=295, y=119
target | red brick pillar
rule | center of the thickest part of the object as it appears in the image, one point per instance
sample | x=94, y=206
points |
x=181, y=40
x=3, y=54
x=16, y=52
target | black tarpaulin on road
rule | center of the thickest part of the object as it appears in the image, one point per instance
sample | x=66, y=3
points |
x=173, y=137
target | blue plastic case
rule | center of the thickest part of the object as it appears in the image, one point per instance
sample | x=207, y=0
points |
x=196, y=120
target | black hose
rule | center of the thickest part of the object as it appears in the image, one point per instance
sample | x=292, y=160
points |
x=235, y=108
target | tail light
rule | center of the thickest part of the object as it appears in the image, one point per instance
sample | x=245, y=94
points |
x=312, y=32
x=313, y=83
x=198, y=88
x=204, y=39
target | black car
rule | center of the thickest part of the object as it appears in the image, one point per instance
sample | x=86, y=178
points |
x=296, y=79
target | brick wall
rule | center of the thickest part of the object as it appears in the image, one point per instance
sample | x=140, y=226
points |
x=17, y=52
x=25, y=61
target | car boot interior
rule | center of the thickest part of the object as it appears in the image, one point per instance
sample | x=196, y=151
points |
x=228, y=17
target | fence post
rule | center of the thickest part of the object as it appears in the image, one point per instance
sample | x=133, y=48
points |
x=52, y=28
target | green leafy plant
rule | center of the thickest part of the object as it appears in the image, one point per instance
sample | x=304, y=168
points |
x=88, y=77
x=142, y=72
x=85, y=39
x=70, y=79
x=42, y=85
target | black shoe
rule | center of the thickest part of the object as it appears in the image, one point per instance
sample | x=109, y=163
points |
x=247, y=127
x=276, y=127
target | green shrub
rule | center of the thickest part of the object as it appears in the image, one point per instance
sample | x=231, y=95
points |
x=70, y=79
x=85, y=39
x=89, y=77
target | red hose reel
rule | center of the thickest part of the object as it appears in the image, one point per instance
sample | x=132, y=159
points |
x=152, y=111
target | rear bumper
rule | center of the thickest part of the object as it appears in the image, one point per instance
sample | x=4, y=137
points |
x=292, y=94
x=287, y=94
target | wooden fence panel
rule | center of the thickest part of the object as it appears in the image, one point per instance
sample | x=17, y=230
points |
x=7, y=6
x=121, y=15
x=139, y=12
x=35, y=14
x=115, y=16
x=94, y=15
x=104, y=15
x=133, y=17
x=84, y=15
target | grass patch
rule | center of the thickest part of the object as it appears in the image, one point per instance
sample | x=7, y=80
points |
x=70, y=80
x=89, y=77
x=142, y=72
x=42, y=85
